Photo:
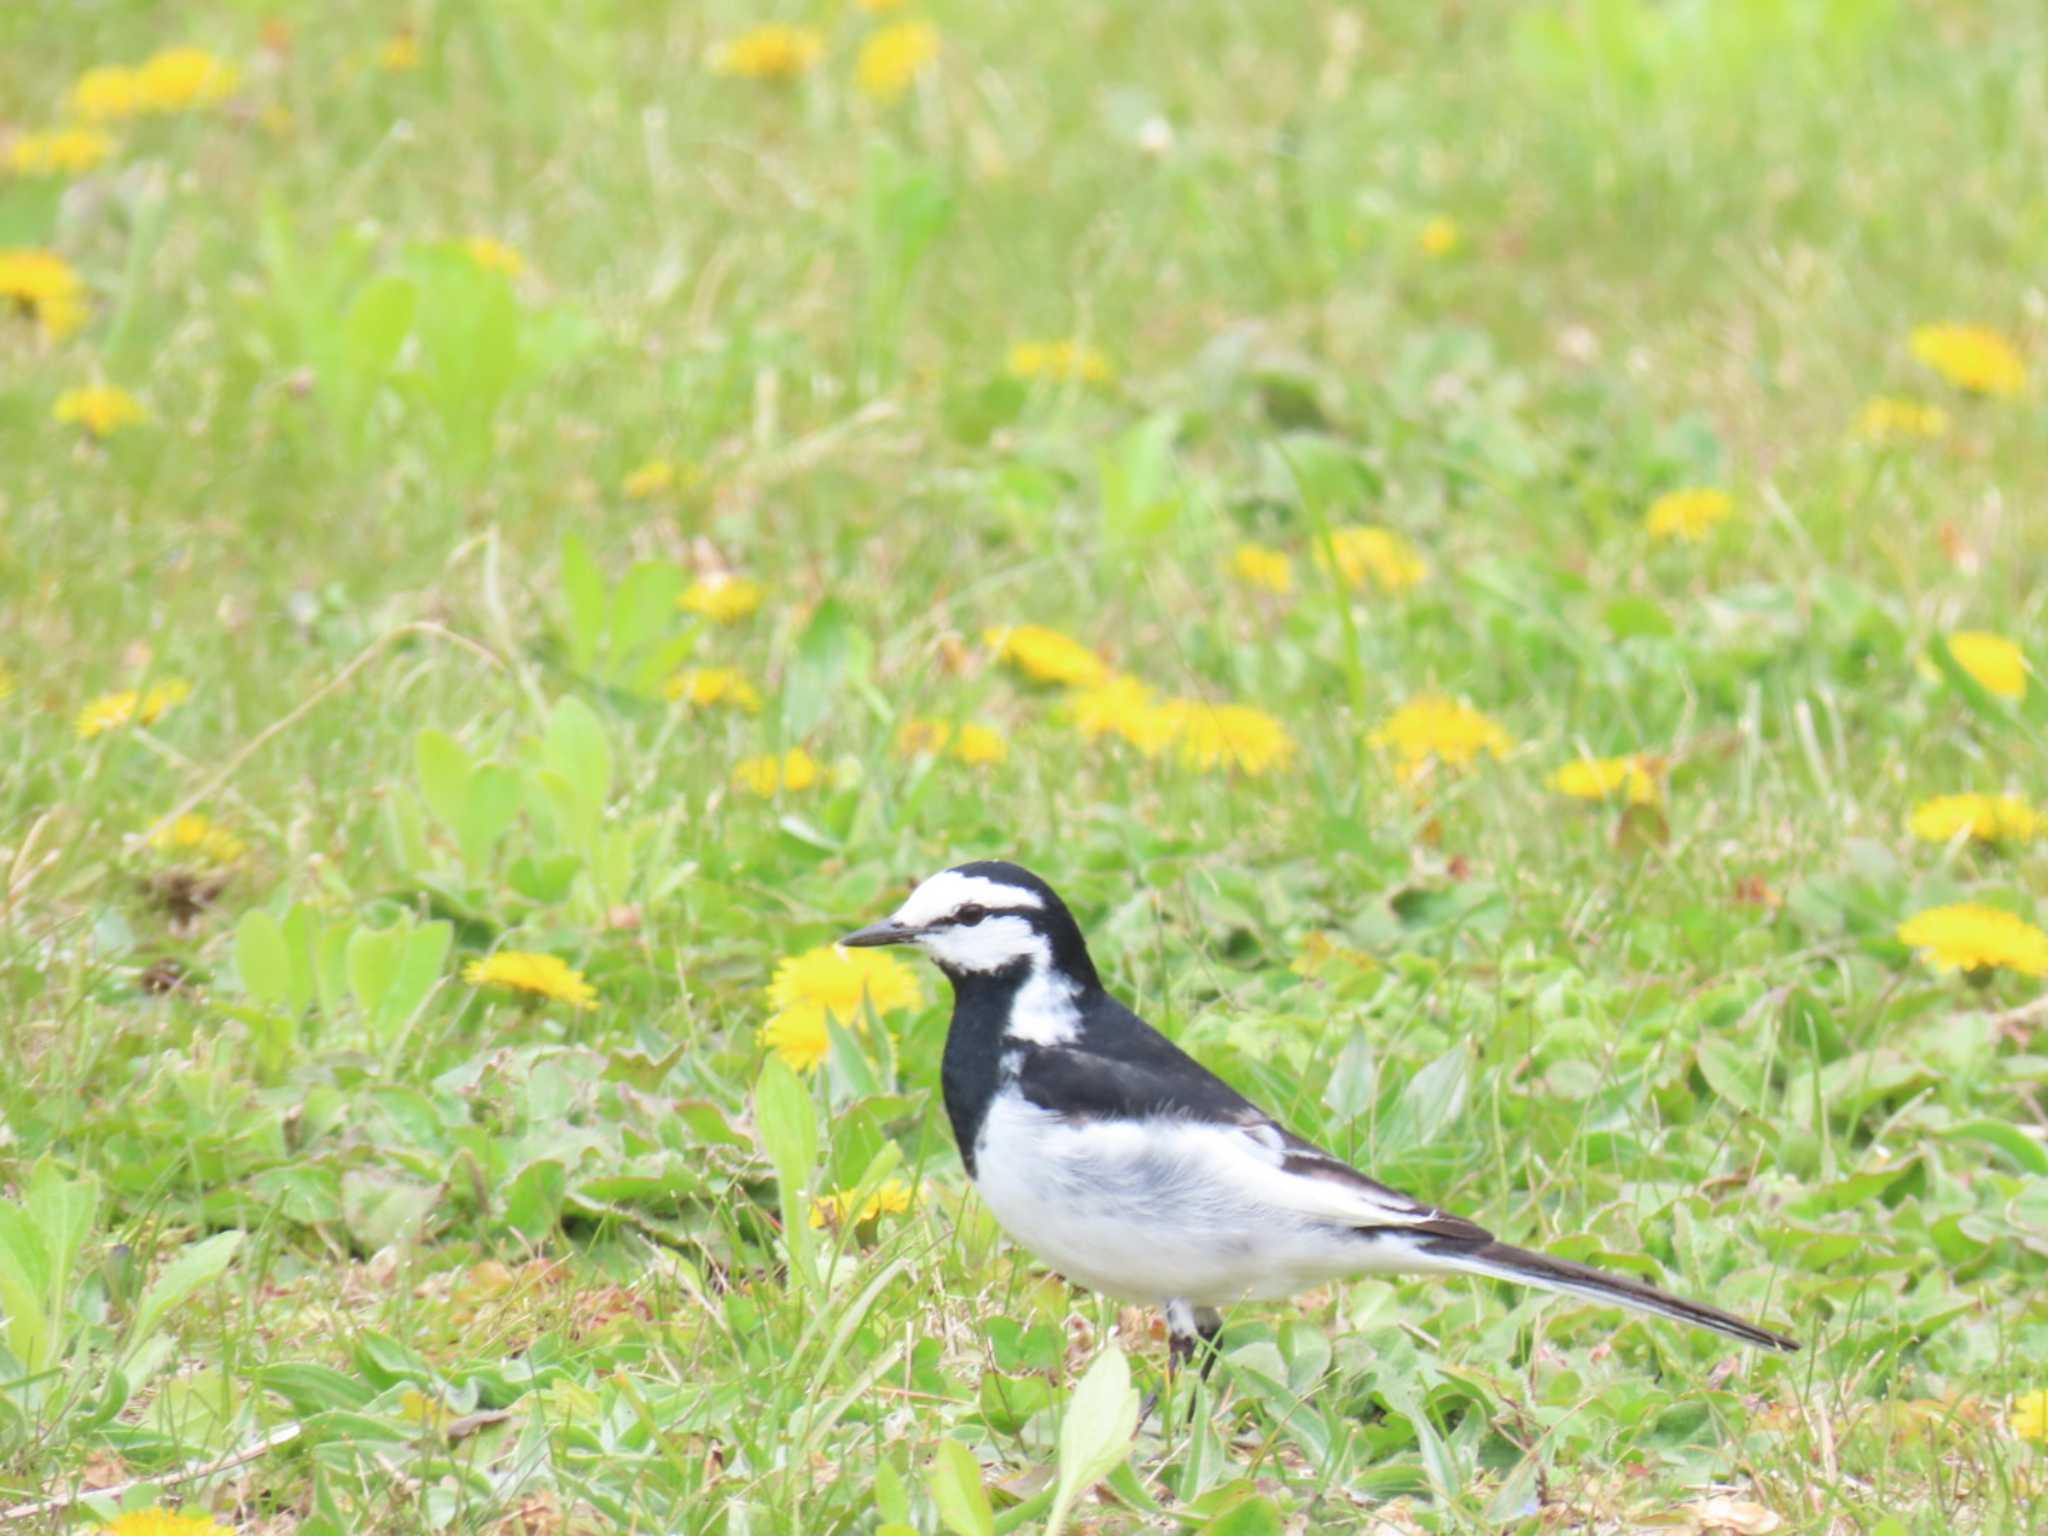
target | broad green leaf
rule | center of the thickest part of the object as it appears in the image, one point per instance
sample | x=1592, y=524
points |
x=444, y=771
x=533, y=1203
x=379, y=1209
x=1254, y=1517
x=24, y=1286
x=373, y=959
x=2025, y=1153
x=831, y=649
x=787, y=1124
x=576, y=748
x=583, y=589
x=955, y=1483
x=379, y=321
x=301, y=938
x=1139, y=501
x=644, y=610
x=1096, y=1433
x=330, y=966
x=1429, y=1103
x=1735, y=1074
x=420, y=961
x=489, y=810
x=262, y=958
x=200, y=1264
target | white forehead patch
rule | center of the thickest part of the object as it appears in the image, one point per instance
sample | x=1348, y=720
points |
x=949, y=890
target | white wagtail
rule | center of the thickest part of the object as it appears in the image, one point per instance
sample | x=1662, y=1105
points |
x=1134, y=1170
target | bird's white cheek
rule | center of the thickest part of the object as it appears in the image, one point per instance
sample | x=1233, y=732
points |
x=987, y=946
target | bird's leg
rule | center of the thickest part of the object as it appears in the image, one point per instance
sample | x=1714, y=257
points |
x=1208, y=1323
x=1183, y=1330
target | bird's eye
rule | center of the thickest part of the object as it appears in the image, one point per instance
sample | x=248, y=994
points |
x=969, y=915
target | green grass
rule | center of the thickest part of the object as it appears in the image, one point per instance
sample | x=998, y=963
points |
x=512, y=1268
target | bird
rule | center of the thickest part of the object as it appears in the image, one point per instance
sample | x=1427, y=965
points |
x=1133, y=1170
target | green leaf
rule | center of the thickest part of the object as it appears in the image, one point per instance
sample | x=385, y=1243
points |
x=787, y=1124
x=1735, y=1074
x=262, y=959
x=1254, y=1517
x=1096, y=1433
x=200, y=1264
x=420, y=960
x=533, y=1205
x=829, y=651
x=1136, y=487
x=1429, y=1103
x=583, y=588
x=2024, y=1152
x=643, y=612
x=330, y=966
x=378, y=1209
x=955, y=1483
x=1628, y=618
x=373, y=959
x=24, y=1285
x=575, y=747
x=301, y=936
x=489, y=810
x=444, y=771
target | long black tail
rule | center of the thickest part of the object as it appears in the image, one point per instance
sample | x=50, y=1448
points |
x=1520, y=1265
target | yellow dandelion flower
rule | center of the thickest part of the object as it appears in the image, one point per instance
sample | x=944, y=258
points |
x=1066, y=362
x=196, y=834
x=1997, y=665
x=1439, y=237
x=705, y=686
x=1885, y=420
x=774, y=52
x=1047, y=655
x=1322, y=955
x=546, y=976
x=1434, y=729
x=1972, y=358
x=63, y=152
x=1987, y=818
x=157, y=1521
x=795, y=770
x=1102, y=708
x=106, y=94
x=831, y=983
x=1231, y=736
x=1601, y=778
x=923, y=738
x=1380, y=557
x=44, y=285
x=102, y=409
x=1689, y=515
x=654, y=478
x=399, y=54
x=1971, y=937
x=979, y=745
x=494, y=255
x=1257, y=566
x=112, y=711
x=178, y=79
x=838, y=1210
x=721, y=598
x=2029, y=1419
x=894, y=57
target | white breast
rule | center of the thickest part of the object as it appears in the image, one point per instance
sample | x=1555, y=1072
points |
x=1162, y=1209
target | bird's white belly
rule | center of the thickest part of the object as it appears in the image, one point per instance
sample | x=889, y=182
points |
x=1156, y=1210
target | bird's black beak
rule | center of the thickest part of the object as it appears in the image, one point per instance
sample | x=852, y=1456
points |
x=877, y=934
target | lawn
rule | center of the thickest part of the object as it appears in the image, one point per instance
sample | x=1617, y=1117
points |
x=1494, y=552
